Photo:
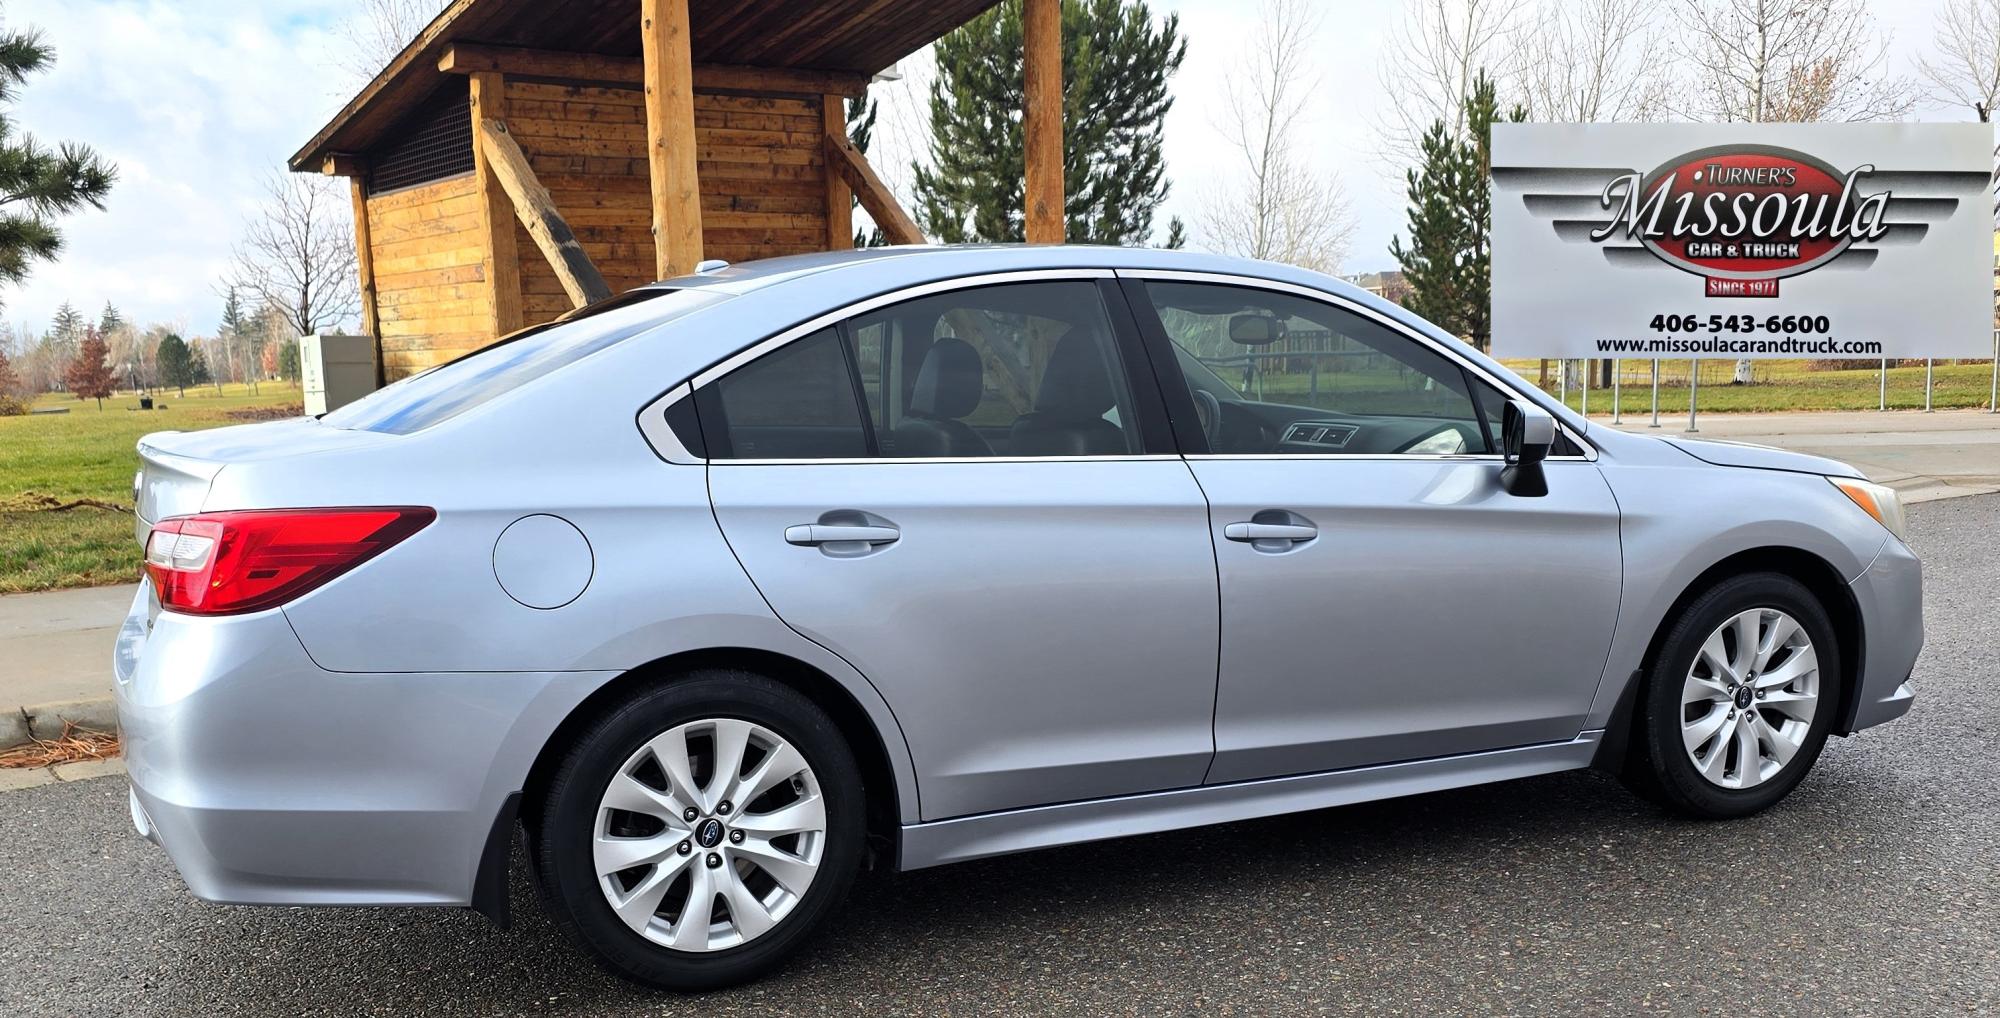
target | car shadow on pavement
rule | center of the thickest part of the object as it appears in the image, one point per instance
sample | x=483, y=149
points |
x=991, y=921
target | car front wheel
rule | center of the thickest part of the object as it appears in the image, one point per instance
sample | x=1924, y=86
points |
x=694, y=836
x=1740, y=698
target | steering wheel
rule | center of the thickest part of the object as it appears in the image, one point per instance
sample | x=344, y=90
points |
x=1208, y=411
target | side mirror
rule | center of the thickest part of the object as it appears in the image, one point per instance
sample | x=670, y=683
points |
x=1527, y=433
x=1255, y=330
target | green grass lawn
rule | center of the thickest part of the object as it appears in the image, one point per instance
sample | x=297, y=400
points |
x=1787, y=385
x=89, y=454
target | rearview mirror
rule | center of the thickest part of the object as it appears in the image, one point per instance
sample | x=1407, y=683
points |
x=1255, y=330
x=1527, y=433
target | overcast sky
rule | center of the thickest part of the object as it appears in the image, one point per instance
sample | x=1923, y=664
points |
x=197, y=101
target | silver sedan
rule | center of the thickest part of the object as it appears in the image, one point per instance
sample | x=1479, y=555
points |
x=727, y=587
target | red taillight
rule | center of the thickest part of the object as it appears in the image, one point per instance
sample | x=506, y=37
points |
x=236, y=562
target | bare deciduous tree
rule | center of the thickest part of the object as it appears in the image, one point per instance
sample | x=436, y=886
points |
x=1591, y=61
x=1965, y=70
x=1287, y=208
x=1790, y=60
x=1435, y=50
x=297, y=255
x=377, y=30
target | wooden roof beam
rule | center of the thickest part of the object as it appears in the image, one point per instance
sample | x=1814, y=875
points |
x=537, y=211
x=630, y=72
x=897, y=226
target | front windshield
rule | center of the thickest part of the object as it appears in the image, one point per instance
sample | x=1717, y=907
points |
x=450, y=389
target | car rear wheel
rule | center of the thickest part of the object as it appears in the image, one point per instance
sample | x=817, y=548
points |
x=694, y=836
x=1740, y=698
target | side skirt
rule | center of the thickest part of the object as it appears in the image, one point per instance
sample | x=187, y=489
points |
x=988, y=834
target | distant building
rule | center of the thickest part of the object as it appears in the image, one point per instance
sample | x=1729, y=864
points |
x=1392, y=287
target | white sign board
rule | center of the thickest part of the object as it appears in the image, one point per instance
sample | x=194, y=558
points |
x=1742, y=240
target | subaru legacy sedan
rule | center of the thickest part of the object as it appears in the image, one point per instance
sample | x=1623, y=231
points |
x=719, y=590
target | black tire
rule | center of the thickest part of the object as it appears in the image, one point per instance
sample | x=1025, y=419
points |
x=561, y=844
x=1661, y=770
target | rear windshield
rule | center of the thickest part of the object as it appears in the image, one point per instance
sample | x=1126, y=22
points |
x=450, y=389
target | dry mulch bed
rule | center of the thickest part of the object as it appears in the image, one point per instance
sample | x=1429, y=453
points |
x=75, y=743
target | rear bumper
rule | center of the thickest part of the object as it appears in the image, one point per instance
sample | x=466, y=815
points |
x=1890, y=594
x=269, y=780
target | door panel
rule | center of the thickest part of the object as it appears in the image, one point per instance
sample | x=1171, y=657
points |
x=1044, y=631
x=1394, y=609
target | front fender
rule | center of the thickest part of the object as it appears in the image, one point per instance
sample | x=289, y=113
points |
x=1678, y=522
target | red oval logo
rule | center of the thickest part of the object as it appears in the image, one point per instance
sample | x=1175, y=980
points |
x=1744, y=212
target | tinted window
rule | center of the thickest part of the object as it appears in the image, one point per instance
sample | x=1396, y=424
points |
x=448, y=390
x=1017, y=370
x=1274, y=373
x=796, y=402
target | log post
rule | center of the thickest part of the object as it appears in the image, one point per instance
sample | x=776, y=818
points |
x=539, y=215
x=364, y=264
x=839, y=197
x=676, y=184
x=1041, y=119
x=502, y=259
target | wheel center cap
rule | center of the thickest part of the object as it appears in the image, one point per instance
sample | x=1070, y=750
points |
x=1743, y=696
x=708, y=833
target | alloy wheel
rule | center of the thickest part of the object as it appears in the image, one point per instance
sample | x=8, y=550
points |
x=709, y=835
x=1749, y=698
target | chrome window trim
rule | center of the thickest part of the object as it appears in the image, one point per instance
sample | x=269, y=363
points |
x=1346, y=304
x=862, y=307
x=660, y=435
x=668, y=446
x=877, y=461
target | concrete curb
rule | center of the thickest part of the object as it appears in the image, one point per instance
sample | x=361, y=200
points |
x=23, y=725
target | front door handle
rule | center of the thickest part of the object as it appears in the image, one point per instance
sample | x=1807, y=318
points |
x=1290, y=533
x=814, y=534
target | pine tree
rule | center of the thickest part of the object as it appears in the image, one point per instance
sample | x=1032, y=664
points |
x=232, y=313
x=176, y=363
x=1448, y=259
x=861, y=112
x=38, y=184
x=1116, y=64
x=109, y=320
x=67, y=328
x=232, y=342
x=89, y=377
x=198, y=373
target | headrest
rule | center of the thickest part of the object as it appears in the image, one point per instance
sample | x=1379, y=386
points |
x=1077, y=381
x=950, y=382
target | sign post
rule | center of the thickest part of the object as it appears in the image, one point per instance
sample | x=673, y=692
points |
x=1656, y=394
x=1703, y=241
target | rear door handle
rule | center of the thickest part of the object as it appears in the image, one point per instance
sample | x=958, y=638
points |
x=1289, y=532
x=814, y=534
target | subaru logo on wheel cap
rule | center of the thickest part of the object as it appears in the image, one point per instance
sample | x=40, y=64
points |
x=709, y=833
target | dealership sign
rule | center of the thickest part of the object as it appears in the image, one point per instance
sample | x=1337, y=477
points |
x=1742, y=240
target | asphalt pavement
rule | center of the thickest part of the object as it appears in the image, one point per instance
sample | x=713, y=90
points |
x=1875, y=889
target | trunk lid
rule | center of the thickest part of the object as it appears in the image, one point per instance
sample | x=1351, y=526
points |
x=178, y=468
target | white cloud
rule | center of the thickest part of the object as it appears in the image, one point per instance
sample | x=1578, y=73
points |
x=193, y=102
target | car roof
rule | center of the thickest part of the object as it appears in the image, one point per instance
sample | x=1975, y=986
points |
x=932, y=261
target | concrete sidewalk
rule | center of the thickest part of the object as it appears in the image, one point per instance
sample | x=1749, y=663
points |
x=1924, y=456
x=55, y=660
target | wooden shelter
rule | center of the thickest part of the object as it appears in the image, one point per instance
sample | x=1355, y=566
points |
x=520, y=158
